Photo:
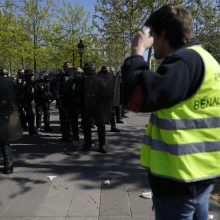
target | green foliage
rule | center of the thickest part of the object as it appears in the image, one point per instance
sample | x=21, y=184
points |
x=40, y=35
x=207, y=24
x=118, y=21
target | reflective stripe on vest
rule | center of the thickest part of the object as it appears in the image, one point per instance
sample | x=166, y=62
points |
x=183, y=142
x=184, y=123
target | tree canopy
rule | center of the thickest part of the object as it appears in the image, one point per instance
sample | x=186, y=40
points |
x=41, y=35
x=119, y=20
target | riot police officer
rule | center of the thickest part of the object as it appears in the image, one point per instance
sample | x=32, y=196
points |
x=42, y=98
x=107, y=75
x=10, y=128
x=18, y=83
x=73, y=100
x=93, y=97
x=63, y=77
x=27, y=98
x=53, y=84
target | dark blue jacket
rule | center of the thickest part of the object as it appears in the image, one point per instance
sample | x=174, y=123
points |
x=178, y=77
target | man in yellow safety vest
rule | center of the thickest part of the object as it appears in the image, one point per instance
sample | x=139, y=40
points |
x=181, y=147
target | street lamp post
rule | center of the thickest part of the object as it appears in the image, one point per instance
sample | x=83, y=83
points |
x=81, y=47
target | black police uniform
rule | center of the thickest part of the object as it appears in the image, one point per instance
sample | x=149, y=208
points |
x=26, y=100
x=113, y=86
x=53, y=85
x=63, y=77
x=18, y=84
x=93, y=97
x=73, y=96
x=42, y=98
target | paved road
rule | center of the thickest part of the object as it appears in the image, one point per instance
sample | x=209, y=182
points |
x=77, y=190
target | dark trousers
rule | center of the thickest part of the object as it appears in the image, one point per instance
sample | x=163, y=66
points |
x=22, y=116
x=64, y=121
x=87, y=124
x=74, y=123
x=30, y=116
x=118, y=113
x=115, y=112
x=45, y=108
x=7, y=155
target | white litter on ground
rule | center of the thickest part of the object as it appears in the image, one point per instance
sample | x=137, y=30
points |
x=210, y=217
x=146, y=195
x=106, y=182
x=51, y=177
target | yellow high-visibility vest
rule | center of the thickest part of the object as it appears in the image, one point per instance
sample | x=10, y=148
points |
x=182, y=142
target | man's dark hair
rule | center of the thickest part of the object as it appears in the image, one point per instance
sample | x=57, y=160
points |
x=175, y=21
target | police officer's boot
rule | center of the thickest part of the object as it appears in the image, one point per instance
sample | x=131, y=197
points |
x=65, y=133
x=38, y=119
x=23, y=121
x=113, y=124
x=31, y=128
x=87, y=137
x=123, y=112
x=7, y=158
x=115, y=129
x=64, y=125
x=75, y=129
x=47, y=127
x=38, y=124
x=118, y=115
x=76, y=136
x=101, y=137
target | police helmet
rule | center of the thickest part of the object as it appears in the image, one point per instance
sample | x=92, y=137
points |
x=78, y=70
x=112, y=69
x=67, y=65
x=6, y=73
x=40, y=75
x=46, y=76
x=89, y=67
x=3, y=72
x=28, y=72
x=105, y=69
x=20, y=71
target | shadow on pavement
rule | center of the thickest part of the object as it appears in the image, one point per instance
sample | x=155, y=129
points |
x=43, y=155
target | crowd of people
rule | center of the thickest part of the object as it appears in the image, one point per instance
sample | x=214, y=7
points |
x=84, y=98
